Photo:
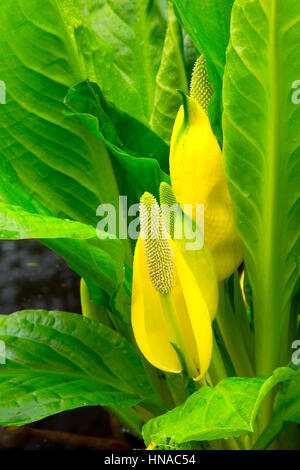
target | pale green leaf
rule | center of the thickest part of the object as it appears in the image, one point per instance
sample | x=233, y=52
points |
x=262, y=160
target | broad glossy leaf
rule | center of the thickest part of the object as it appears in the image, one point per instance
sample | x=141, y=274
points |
x=120, y=302
x=50, y=163
x=55, y=158
x=262, y=159
x=170, y=78
x=57, y=361
x=130, y=36
x=208, y=24
x=227, y=410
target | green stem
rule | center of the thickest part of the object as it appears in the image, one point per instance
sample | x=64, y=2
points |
x=231, y=334
x=132, y=421
x=217, y=370
x=176, y=387
x=231, y=444
x=159, y=384
x=287, y=438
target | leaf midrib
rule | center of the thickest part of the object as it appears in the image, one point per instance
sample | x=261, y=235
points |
x=269, y=285
x=273, y=144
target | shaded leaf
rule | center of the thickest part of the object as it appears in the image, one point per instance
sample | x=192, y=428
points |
x=135, y=174
x=122, y=134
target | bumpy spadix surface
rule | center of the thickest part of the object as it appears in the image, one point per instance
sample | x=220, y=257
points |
x=201, y=89
x=157, y=247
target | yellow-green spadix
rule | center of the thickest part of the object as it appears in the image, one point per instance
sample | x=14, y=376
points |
x=169, y=312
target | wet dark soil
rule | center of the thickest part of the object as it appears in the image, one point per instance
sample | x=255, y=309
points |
x=32, y=276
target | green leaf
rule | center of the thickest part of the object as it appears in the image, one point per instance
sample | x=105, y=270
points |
x=16, y=224
x=135, y=174
x=190, y=54
x=286, y=409
x=51, y=164
x=101, y=311
x=55, y=158
x=208, y=24
x=227, y=410
x=120, y=302
x=57, y=361
x=94, y=310
x=121, y=133
x=99, y=261
x=262, y=157
x=171, y=77
x=130, y=36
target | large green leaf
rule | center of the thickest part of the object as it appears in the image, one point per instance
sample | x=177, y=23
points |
x=286, y=409
x=50, y=163
x=57, y=361
x=170, y=78
x=54, y=156
x=262, y=157
x=130, y=36
x=228, y=410
x=208, y=23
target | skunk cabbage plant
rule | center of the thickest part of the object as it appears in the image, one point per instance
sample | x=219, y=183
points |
x=155, y=147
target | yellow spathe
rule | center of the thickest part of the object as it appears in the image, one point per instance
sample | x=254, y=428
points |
x=180, y=317
x=198, y=177
x=199, y=260
x=202, y=265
